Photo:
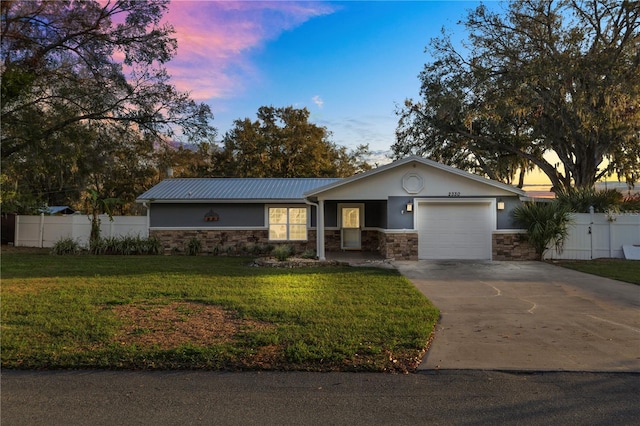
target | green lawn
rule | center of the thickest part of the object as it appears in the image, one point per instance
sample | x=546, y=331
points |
x=160, y=312
x=617, y=269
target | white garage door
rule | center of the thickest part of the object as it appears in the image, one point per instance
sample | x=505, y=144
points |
x=454, y=230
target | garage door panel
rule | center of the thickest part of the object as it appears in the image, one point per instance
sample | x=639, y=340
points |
x=454, y=231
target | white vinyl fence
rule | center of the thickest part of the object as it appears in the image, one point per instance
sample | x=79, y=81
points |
x=598, y=235
x=45, y=231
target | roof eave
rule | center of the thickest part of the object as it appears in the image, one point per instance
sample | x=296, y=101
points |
x=222, y=201
x=425, y=161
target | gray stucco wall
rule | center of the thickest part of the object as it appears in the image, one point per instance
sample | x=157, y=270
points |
x=395, y=218
x=505, y=218
x=378, y=214
x=398, y=220
x=192, y=215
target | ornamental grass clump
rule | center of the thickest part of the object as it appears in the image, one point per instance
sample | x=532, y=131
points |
x=126, y=245
x=283, y=253
x=66, y=246
x=193, y=246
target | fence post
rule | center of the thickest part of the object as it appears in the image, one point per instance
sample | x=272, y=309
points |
x=41, y=230
x=591, y=211
x=16, y=237
x=610, y=238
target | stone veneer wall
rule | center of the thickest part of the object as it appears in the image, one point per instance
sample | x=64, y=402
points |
x=399, y=246
x=512, y=247
x=224, y=241
x=331, y=240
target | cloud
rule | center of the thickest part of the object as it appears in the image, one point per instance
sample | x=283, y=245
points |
x=318, y=101
x=216, y=39
x=377, y=131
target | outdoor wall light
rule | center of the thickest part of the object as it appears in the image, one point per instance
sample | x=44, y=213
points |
x=500, y=205
x=409, y=207
x=211, y=216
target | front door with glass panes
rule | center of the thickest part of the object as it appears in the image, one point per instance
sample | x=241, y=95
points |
x=351, y=226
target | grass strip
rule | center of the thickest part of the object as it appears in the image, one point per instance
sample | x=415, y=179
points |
x=617, y=269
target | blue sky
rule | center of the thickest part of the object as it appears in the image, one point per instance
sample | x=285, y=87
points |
x=350, y=63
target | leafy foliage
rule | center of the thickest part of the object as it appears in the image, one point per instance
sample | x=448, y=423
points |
x=579, y=200
x=631, y=203
x=127, y=245
x=543, y=77
x=546, y=224
x=86, y=98
x=283, y=252
x=193, y=246
x=283, y=143
x=66, y=246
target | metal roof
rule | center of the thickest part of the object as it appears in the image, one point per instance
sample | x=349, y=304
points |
x=57, y=210
x=233, y=189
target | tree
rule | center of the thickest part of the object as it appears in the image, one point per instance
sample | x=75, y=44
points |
x=544, y=77
x=82, y=80
x=546, y=224
x=282, y=143
x=188, y=161
x=96, y=205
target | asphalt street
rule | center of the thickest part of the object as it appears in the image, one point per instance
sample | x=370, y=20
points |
x=519, y=343
x=297, y=398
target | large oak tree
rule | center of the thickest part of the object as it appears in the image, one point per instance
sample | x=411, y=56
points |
x=538, y=77
x=86, y=98
x=283, y=143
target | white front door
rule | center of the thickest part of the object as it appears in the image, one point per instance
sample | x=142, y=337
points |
x=350, y=225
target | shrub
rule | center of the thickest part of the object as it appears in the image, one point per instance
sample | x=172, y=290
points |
x=283, y=252
x=127, y=245
x=66, y=246
x=578, y=200
x=631, y=203
x=194, y=246
x=241, y=248
x=309, y=254
x=153, y=245
x=546, y=224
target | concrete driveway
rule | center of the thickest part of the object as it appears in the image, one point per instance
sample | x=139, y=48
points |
x=528, y=316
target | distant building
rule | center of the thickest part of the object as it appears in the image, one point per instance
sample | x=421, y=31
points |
x=57, y=210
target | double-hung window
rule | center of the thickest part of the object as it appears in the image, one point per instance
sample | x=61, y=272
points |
x=287, y=223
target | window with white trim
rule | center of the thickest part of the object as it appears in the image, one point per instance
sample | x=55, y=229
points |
x=287, y=223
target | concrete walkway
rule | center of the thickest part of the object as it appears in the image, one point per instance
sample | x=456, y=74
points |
x=528, y=316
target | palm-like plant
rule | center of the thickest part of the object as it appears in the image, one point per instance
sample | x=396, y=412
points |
x=546, y=224
x=95, y=205
x=579, y=200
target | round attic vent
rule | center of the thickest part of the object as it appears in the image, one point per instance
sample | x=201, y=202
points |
x=412, y=183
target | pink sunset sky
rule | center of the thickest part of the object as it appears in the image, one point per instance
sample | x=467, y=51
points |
x=350, y=63
x=216, y=40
